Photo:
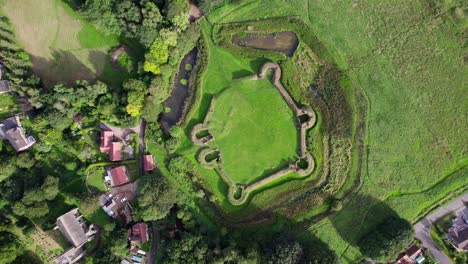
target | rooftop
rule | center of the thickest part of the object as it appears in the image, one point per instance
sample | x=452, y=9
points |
x=115, y=152
x=138, y=233
x=74, y=228
x=119, y=175
x=106, y=140
x=4, y=86
x=148, y=162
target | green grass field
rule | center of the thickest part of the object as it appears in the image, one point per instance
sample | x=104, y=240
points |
x=254, y=129
x=408, y=59
x=63, y=47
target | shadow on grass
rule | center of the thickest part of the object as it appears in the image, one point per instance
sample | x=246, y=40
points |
x=63, y=68
x=372, y=226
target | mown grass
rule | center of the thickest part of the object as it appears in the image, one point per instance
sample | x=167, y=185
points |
x=63, y=46
x=96, y=179
x=254, y=129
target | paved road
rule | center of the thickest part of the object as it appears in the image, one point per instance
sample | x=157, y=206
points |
x=422, y=227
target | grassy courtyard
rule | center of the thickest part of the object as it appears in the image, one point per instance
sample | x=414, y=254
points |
x=63, y=47
x=254, y=129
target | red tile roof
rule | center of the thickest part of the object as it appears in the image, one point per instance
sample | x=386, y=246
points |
x=119, y=176
x=148, y=162
x=138, y=233
x=115, y=154
x=413, y=251
x=106, y=140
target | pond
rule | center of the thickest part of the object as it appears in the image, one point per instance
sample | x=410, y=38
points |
x=285, y=42
x=180, y=92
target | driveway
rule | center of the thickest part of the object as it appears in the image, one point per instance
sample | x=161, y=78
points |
x=422, y=227
x=122, y=132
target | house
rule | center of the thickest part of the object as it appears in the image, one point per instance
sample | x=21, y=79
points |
x=138, y=233
x=106, y=140
x=109, y=205
x=117, y=176
x=412, y=255
x=77, y=233
x=116, y=204
x=148, y=163
x=4, y=87
x=12, y=131
x=458, y=233
x=115, y=152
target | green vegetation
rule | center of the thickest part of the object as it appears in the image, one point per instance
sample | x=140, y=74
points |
x=68, y=49
x=96, y=179
x=8, y=105
x=385, y=78
x=392, y=55
x=254, y=129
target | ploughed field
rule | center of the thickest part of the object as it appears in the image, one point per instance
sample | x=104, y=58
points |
x=254, y=129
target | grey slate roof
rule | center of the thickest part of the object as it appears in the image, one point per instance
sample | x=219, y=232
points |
x=4, y=86
x=73, y=227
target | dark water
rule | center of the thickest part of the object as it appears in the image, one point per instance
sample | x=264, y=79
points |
x=285, y=42
x=179, y=94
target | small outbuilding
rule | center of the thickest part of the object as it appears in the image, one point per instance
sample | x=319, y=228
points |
x=4, y=86
x=148, y=163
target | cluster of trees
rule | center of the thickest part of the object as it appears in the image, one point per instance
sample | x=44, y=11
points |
x=163, y=28
x=17, y=66
x=387, y=239
x=234, y=247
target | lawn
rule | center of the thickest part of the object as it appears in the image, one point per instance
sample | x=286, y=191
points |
x=96, y=179
x=63, y=47
x=254, y=129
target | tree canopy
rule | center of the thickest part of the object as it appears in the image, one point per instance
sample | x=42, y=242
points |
x=387, y=239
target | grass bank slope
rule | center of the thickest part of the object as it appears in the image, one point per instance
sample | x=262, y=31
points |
x=63, y=47
x=254, y=129
x=408, y=58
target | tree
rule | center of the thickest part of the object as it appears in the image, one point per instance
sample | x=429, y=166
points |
x=136, y=91
x=158, y=55
x=119, y=246
x=387, y=239
x=156, y=197
x=25, y=160
x=192, y=248
x=7, y=168
x=287, y=252
x=9, y=247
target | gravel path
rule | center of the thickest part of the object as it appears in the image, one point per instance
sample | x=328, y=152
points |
x=422, y=227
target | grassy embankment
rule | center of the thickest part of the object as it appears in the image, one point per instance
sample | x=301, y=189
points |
x=401, y=55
